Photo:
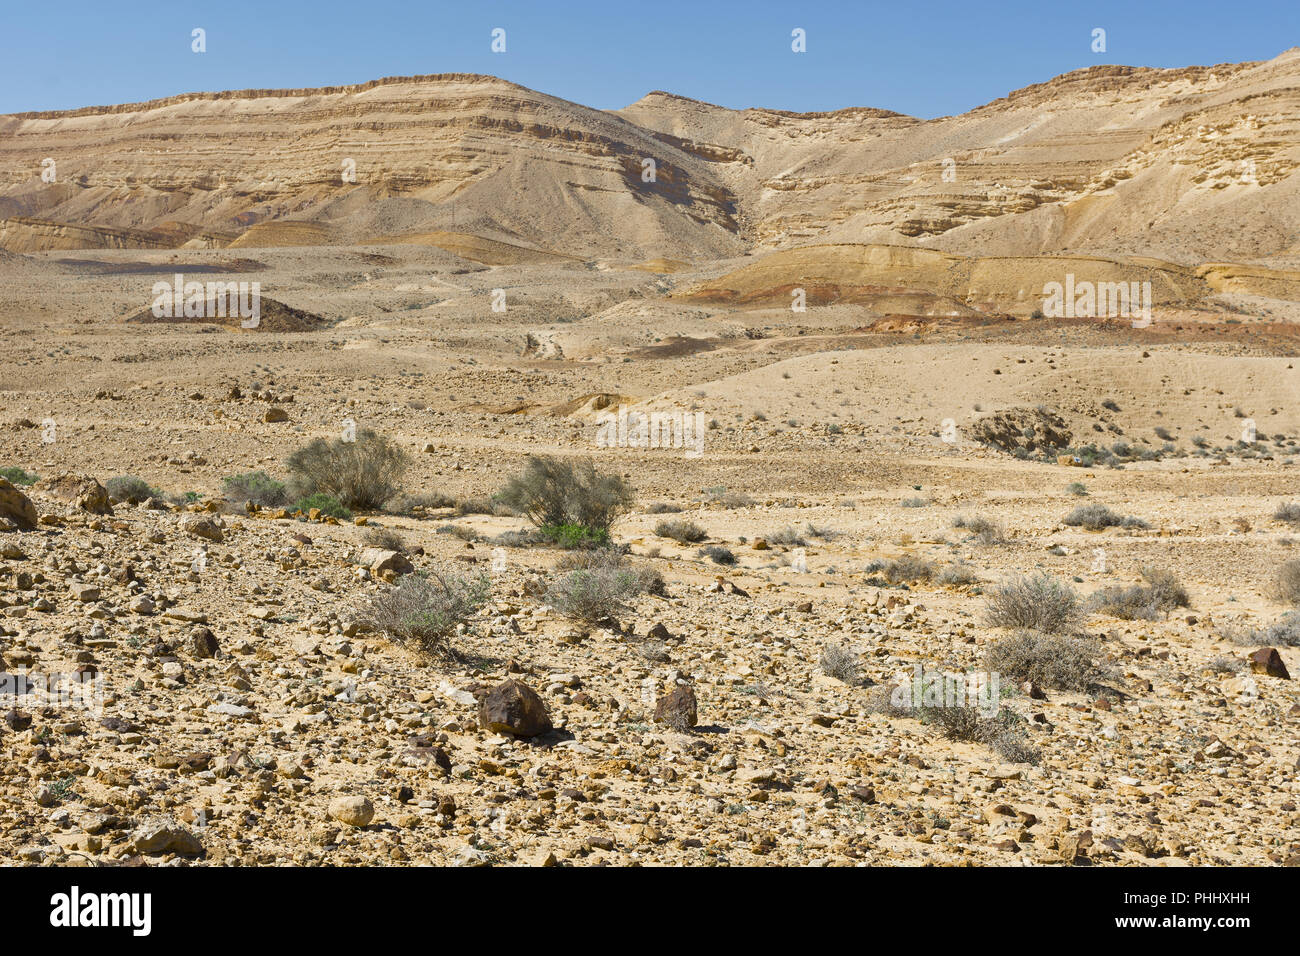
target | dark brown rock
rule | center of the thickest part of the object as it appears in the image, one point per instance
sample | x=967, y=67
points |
x=1268, y=661
x=514, y=708
x=16, y=510
x=678, y=708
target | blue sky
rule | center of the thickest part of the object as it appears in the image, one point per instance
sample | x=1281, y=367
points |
x=922, y=58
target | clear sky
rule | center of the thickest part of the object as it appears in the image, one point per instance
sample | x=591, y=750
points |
x=922, y=57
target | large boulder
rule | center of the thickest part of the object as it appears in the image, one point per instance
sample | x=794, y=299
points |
x=78, y=491
x=514, y=708
x=379, y=560
x=17, y=513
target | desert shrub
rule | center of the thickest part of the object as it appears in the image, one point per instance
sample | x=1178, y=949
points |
x=326, y=504
x=907, y=569
x=1288, y=512
x=1162, y=592
x=729, y=500
x=475, y=506
x=1077, y=488
x=425, y=608
x=361, y=474
x=16, y=476
x=959, y=574
x=654, y=651
x=1286, y=585
x=1111, y=404
x=840, y=662
x=663, y=508
x=717, y=554
x=1096, y=516
x=681, y=531
x=1224, y=664
x=787, y=537
x=1049, y=660
x=407, y=504
x=130, y=488
x=457, y=531
x=573, y=505
x=881, y=700
x=1004, y=732
x=599, y=591
x=821, y=532
x=1284, y=631
x=385, y=538
x=255, y=486
x=914, y=502
x=983, y=531
x=1036, y=602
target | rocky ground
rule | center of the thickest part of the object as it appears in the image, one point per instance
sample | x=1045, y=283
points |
x=247, y=717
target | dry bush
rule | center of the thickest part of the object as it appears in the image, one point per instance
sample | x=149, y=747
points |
x=361, y=474
x=407, y=504
x=1004, y=732
x=717, y=554
x=1288, y=512
x=1036, y=602
x=568, y=501
x=907, y=569
x=1162, y=593
x=385, y=538
x=1285, y=632
x=425, y=608
x=1286, y=585
x=600, y=591
x=681, y=531
x=880, y=700
x=1096, y=516
x=255, y=486
x=957, y=575
x=787, y=537
x=1049, y=660
x=130, y=489
x=983, y=531
x=841, y=663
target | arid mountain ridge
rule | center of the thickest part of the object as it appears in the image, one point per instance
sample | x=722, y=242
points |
x=1189, y=166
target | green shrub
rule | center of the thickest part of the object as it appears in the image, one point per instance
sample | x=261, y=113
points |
x=16, y=476
x=326, y=504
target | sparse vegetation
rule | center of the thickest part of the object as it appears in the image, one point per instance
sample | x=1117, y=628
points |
x=361, y=474
x=1096, y=517
x=255, y=486
x=1035, y=601
x=683, y=532
x=1077, y=488
x=1288, y=512
x=571, y=504
x=717, y=554
x=985, y=532
x=959, y=574
x=385, y=538
x=16, y=476
x=1051, y=661
x=840, y=662
x=601, y=588
x=130, y=488
x=908, y=569
x=1162, y=593
x=1286, y=584
x=324, y=504
x=425, y=609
